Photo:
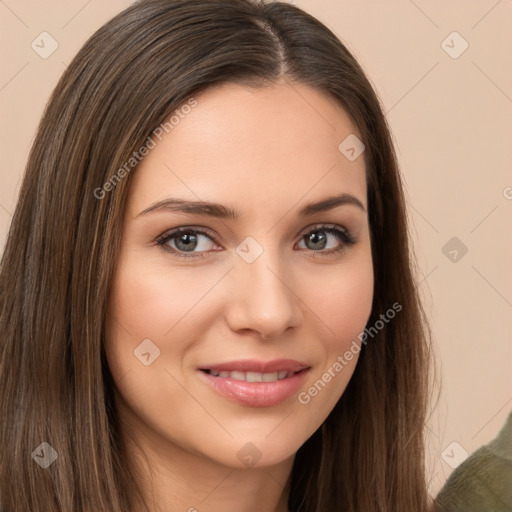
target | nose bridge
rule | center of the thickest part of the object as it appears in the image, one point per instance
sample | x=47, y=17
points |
x=265, y=300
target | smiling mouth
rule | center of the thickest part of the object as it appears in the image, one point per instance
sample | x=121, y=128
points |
x=255, y=383
x=253, y=376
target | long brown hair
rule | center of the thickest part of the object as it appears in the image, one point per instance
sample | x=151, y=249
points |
x=63, y=244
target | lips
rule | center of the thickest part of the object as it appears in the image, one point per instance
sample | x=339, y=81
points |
x=256, y=383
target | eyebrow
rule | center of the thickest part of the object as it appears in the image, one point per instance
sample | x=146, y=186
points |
x=222, y=212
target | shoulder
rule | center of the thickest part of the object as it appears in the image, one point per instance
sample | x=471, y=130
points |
x=483, y=482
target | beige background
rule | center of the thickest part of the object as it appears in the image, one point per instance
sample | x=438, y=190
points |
x=452, y=123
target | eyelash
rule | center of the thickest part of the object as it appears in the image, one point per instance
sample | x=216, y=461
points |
x=346, y=237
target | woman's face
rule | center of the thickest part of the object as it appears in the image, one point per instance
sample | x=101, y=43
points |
x=188, y=314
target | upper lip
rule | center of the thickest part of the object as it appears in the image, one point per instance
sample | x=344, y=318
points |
x=252, y=365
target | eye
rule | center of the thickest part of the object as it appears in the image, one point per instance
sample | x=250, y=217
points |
x=183, y=242
x=317, y=239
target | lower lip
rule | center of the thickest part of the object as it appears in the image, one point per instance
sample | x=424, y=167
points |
x=257, y=394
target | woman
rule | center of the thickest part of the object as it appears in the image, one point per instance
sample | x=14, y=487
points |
x=207, y=292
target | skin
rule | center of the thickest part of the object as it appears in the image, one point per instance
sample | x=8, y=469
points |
x=264, y=152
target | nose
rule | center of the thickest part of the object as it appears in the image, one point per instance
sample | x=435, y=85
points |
x=263, y=299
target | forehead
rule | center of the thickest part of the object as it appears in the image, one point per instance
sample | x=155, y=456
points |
x=251, y=147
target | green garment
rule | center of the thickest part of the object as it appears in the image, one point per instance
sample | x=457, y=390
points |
x=483, y=482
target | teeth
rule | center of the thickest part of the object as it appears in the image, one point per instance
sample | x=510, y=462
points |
x=253, y=376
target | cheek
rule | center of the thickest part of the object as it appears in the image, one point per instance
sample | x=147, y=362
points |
x=149, y=300
x=141, y=307
x=344, y=311
x=145, y=305
x=353, y=304
x=343, y=304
